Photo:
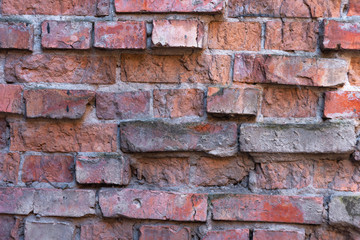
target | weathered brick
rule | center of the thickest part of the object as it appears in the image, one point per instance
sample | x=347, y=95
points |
x=56, y=103
x=125, y=105
x=267, y=208
x=233, y=101
x=278, y=234
x=110, y=169
x=354, y=8
x=173, y=103
x=55, y=7
x=342, y=104
x=16, y=35
x=177, y=33
x=52, y=68
x=9, y=167
x=120, y=35
x=341, y=35
x=164, y=232
x=187, y=6
x=66, y=35
x=288, y=8
x=164, y=172
x=221, y=172
x=48, y=168
x=103, y=8
x=194, y=68
x=298, y=138
x=235, y=35
x=289, y=102
x=214, y=138
x=345, y=210
x=70, y=137
x=328, y=234
x=11, y=99
x=16, y=200
x=320, y=72
x=9, y=227
x=340, y=175
x=48, y=230
x=354, y=71
x=291, y=36
x=3, y=134
x=284, y=175
x=107, y=230
x=64, y=203
x=147, y=204
x=238, y=234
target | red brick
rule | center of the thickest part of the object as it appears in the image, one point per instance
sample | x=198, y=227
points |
x=230, y=234
x=214, y=138
x=194, y=68
x=284, y=175
x=148, y=204
x=173, y=103
x=103, y=7
x=164, y=171
x=165, y=6
x=48, y=230
x=279, y=235
x=9, y=227
x=337, y=175
x=64, y=203
x=328, y=234
x=291, y=36
x=289, y=102
x=16, y=35
x=120, y=35
x=177, y=33
x=110, y=169
x=48, y=168
x=55, y=103
x=3, y=134
x=235, y=35
x=233, y=101
x=125, y=105
x=16, y=200
x=303, y=71
x=354, y=8
x=11, y=99
x=341, y=35
x=342, y=104
x=66, y=35
x=354, y=71
x=107, y=230
x=9, y=167
x=51, y=68
x=267, y=208
x=280, y=8
x=70, y=137
x=164, y=232
x=221, y=172
x=55, y=7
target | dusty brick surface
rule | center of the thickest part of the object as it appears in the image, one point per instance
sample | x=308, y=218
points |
x=342, y=104
x=147, y=204
x=9, y=167
x=66, y=35
x=16, y=200
x=3, y=134
x=354, y=71
x=48, y=230
x=16, y=35
x=235, y=35
x=240, y=234
x=53, y=68
x=11, y=100
x=344, y=210
x=10, y=227
x=107, y=230
x=280, y=235
x=167, y=232
x=341, y=35
x=55, y=103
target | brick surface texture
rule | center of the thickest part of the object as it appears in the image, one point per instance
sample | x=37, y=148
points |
x=179, y=119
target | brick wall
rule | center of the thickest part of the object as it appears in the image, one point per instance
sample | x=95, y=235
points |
x=179, y=119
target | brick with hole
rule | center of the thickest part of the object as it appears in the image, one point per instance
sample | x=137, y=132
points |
x=164, y=232
x=177, y=33
x=153, y=204
x=260, y=234
x=108, y=169
x=229, y=234
x=66, y=35
x=11, y=100
x=57, y=103
x=341, y=35
x=342, y=104
x=9, y=167
x=15, y=200
x=235, y=36
x=120, y=35
x=16, y=35
x=48, y=168
x=48, y=230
